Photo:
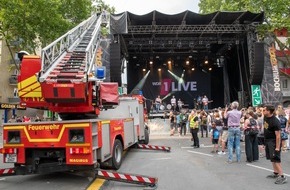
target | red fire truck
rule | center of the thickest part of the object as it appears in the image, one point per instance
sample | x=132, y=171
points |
x=97, y=124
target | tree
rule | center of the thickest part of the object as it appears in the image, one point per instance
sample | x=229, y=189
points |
x=277, y=14
x=29, y=24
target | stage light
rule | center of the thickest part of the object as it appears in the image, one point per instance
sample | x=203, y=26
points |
x=192, y=68
x=144, y=70
x=159, y=69
x=205, y=60
x=190, y=56
x=151, y=62
x=169, y=62
x=210, y=69
x=187, y=62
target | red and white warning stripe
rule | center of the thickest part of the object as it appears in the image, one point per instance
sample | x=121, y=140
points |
x=128, y=178
x=152, y=147
x=7, y=171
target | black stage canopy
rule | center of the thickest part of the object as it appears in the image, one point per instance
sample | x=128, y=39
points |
x=188, y=40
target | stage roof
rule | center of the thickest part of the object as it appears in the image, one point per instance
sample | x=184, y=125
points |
x=186, y=33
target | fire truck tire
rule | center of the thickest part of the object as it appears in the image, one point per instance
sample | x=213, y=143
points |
x=146, y=141
x=117, y=155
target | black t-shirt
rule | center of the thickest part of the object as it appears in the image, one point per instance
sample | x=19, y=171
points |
x=271, y=124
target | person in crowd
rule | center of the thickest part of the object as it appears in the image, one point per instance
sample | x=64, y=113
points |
x=12, y=119
x=260, y=135
x=215, y=135
x=272, y=133
x=203, y=123
x=172, y=120
x=219, y=124
x=199, y=102
x=177, y=119
x=18, y=119
x=183, y=121
x=205, y=102
x=284, y=127
x=26, y=119
x=179, y=104
x=158, y=102
x=209, y=120
x=37, y=119
x=224, y=138
x=251, y=131
x=193, y=125
x=234, y=132
x=173, y=103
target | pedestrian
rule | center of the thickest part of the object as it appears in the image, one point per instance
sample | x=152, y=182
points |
x=12, y=119
x=234, y=132
x=37, y=119
x=193, y=125
x=284, y=127
x=215, y=135
x=26, y=119
x=260, y=135
x=224, y=138
x=183, y=120
x=172, y=120
x=203, y=123
x=272, y=133
x=251, y=131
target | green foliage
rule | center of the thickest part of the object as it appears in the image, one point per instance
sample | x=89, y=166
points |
x=277, y=13
x=28, y=24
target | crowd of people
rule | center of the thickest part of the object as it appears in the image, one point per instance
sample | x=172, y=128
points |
x=264, y=130
x=18, y=119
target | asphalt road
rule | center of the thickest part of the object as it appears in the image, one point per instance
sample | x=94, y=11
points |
x=187, y=168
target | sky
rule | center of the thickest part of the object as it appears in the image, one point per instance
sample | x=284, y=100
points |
x=141, y=7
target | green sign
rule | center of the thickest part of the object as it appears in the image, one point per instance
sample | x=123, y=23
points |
x=120, y=90
x=256, y=95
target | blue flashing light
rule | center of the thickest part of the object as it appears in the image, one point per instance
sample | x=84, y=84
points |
x=140, y=92
x=100, y=73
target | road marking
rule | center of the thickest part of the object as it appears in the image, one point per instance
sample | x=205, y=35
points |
x=96, y=184
x=161, y=159
x=200, y=153
x=2, y=179
x=265, y=169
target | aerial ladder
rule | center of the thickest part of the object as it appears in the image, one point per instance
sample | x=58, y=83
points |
x=67, y=81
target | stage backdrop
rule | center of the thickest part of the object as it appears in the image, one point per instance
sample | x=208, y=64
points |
x=187, y=89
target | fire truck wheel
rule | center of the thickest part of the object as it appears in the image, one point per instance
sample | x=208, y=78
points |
x=117, y=154
x=146, y=141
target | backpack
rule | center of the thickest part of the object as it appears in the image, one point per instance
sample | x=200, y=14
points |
x=254, y=127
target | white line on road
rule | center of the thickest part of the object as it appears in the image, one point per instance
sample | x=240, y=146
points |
x=2, y=179
x=161, y=159
x=200, y=153
x=265, y=169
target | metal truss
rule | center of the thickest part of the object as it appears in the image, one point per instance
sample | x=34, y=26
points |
x=187, y=29
x=180, y=42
